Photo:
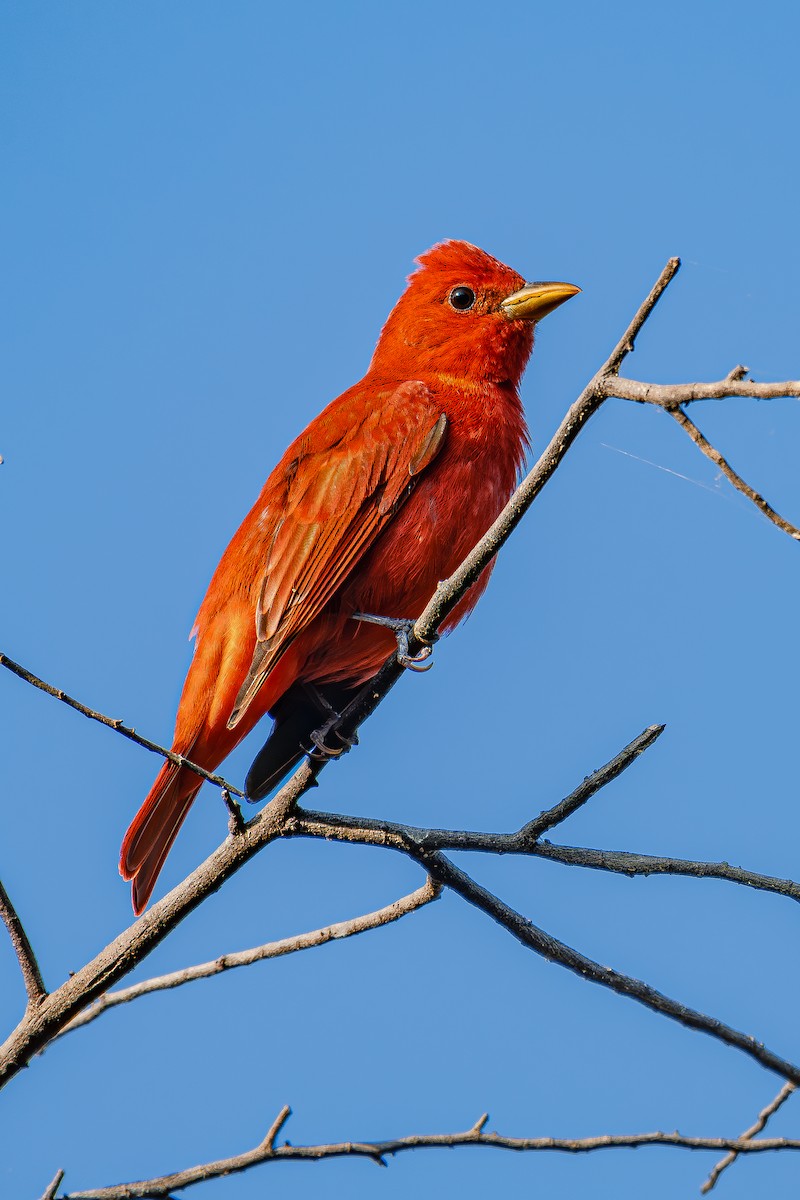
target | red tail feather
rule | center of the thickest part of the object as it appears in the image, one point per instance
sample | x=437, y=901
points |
x=155, y=827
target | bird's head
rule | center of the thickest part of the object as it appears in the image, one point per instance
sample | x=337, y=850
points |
x=464, y=314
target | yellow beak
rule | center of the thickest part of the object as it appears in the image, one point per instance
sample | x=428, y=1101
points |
x=536, y=300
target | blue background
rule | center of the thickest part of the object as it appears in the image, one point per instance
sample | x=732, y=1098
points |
x=209, y=209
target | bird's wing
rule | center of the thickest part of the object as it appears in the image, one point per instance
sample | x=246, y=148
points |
x=334, y=501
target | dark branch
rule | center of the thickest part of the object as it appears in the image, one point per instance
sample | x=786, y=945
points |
x=592, y=784
x=621, y=862
x=349, y=829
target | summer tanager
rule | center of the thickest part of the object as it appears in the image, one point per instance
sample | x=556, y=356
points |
x=378, y=499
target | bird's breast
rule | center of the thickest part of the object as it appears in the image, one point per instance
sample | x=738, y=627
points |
x=447, y=512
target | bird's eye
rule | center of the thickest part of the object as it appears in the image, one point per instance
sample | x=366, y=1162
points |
x=461, y=298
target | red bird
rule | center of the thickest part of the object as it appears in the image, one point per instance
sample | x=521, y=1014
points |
x=378, y=499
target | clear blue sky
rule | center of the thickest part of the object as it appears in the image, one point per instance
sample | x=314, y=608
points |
x=209, y=209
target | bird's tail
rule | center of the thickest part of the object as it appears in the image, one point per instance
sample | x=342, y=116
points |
x=154, y=828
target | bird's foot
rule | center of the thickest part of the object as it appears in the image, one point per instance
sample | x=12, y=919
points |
x=319, y=750
x=402, y=629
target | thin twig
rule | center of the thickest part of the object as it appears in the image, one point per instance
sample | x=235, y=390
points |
x=245, y=958
x=49, y=1192
x=31, y=975
x=761, y=1120
x=688, y=426
x=268, y=1143
x=598, y=779
x=379, y=1152
x=113, y=723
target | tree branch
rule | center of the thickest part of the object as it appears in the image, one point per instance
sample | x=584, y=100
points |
x=31, y=975
x=378, y=1152
x=245, y=958
x=672, y=395
x=621, y=862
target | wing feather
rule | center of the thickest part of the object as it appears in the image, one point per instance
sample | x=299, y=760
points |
x=336, y=500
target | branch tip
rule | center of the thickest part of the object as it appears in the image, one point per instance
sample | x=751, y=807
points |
x=235, y=818
x=49, y=1192
x=738, y=372
x=275, y=1128
x=592, y=783
x=31, y=974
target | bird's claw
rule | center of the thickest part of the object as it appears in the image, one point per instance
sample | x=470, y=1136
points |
x=415, y=662
x=320, y=751
x=402, y=629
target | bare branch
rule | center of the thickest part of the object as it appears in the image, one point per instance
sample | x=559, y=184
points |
x=351, y=829
x=31, y=975
x=673, y=395
x=711, y=452
x=245, y=958
x=378, y=1152
x=112, y=723
x=765, y=1114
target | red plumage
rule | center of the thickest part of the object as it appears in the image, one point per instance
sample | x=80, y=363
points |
x=377, y=500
